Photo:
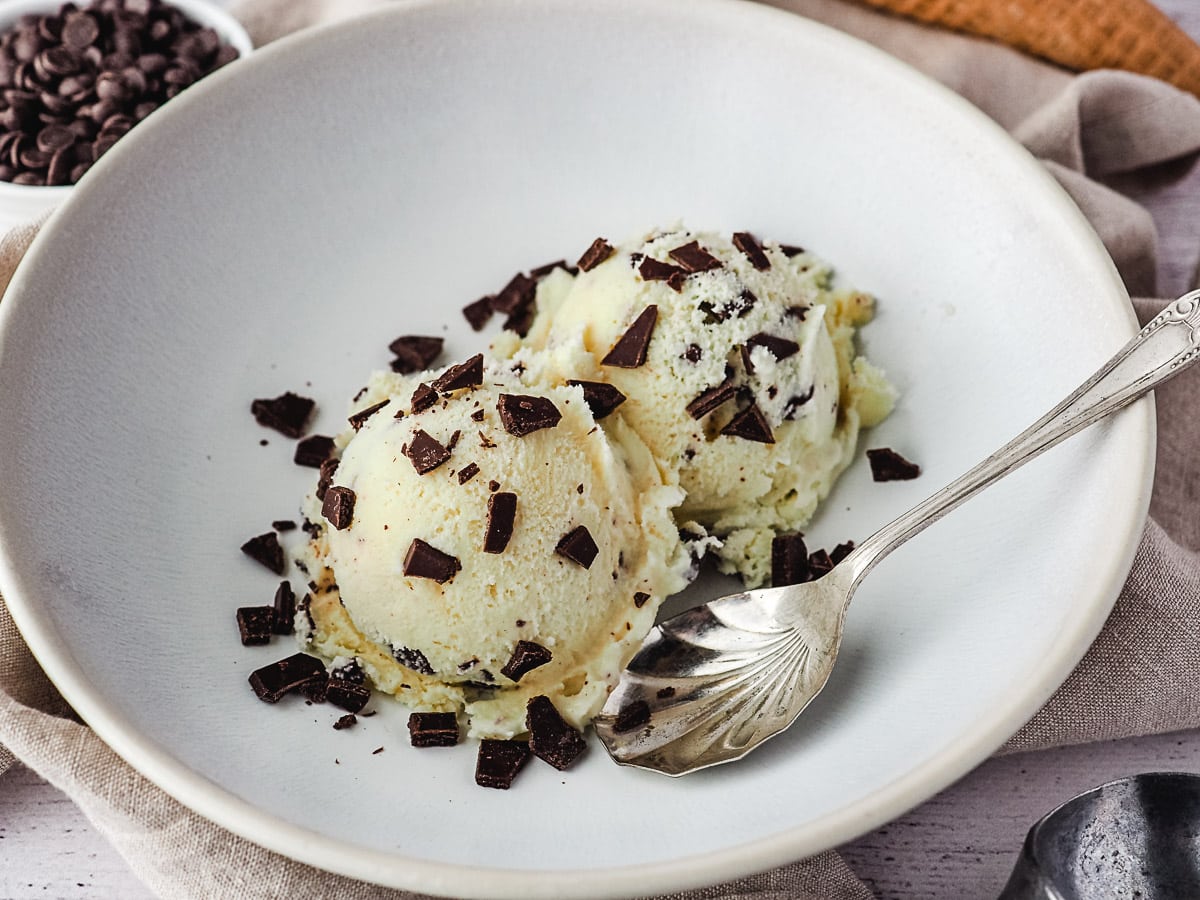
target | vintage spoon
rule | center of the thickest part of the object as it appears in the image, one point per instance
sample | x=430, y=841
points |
x=712, y=683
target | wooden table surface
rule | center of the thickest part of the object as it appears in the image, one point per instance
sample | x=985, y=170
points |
x=961, y=844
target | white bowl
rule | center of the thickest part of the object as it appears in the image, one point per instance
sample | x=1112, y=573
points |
x=366, y=181
x=21, y=203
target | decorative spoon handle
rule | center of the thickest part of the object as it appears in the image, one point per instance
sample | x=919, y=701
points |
x=1168, y=343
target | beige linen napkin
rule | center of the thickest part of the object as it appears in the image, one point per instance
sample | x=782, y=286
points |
x=1138, y=678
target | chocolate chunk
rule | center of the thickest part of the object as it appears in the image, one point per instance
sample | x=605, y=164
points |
x=351, y=670
x=550, y=738
x=888, y=465
x=520, y=320
x=780, y=348
x=543, y=271
x=314, y=690
x=640, y=598
x=433, y=729
x=426, y=452
x=665, y=693
x=629, y=351
x=738, y=307
x=359, y=418
x=499, y=762
x=288, y=413
x=423, y=397
x=271, y=682
x=653, y=270
x=338, y=507
x=502, y=512
x=493, y=485
x=841, y=551
x=314, y=450
x=424, y=561
x=478, y=415
x=712, y=398
x=467, y=472
x=347, y=721
x=632, y=717
x=479, y=313
x=819, y=563
x=796, y=312
x=254, y=623
x=517, y=294
x=414, y=352
x=795, y=402
x=789, y=560
x=526, y=656
x=346, y=694
x=283, y=525
x=412, y=659
x=521, y=414
x=598, y=252
x=464, y=375
x=695, y=258
x=750, y=425
x=577, y=545
x=749, y=245
x=600, y=397
x=325, y=479
x=790, y=250
x=265, y=549
x=693, y=353
x=283, y=612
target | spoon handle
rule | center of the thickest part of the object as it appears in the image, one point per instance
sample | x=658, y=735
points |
x=1165, y=347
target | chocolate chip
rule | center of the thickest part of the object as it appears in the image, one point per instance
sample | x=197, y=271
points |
x=795, y=402
x=712, y=398
x=414, y=352
x=325, y=478
x=819, y=563
x=499, y=762
x=640, y=598
x=265, y=549
x=780, y=348
x=464, y=375
x=600, y=397
x=750, y=425
x=288, y=413
x=412, y=659
x=598, y=252
x=790, y=250
x=888, y=465
x=283, y=612
x=629, y=351
x=346, y=694
x=347, y=721
x=517, y=294
x=467, y=472
x=693, y=353
x=502, y=512
x=338, y=507
x=550, y=738
x=577, y=545
x=694, y=258
x=526, y=656
x=426, y=452
x=543, y=271
x=749, y=245
x=254, y=623
x=359, y=418
x=789, y=560
x=632, y=717
x=313, y=450
x=479, y=313
x=272, y=682
x=425, y=561
x=653, y=270
x=423, y=397
x=521, y=414
x=841, y=551
x=433, y=729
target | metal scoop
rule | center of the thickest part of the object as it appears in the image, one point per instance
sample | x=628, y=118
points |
x=711, y=684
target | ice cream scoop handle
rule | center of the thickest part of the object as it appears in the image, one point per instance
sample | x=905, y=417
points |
x=1165, y=347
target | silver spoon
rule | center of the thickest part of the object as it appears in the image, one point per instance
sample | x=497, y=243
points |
x=711, y=684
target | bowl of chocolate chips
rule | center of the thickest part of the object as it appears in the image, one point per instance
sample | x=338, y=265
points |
x=76, y=77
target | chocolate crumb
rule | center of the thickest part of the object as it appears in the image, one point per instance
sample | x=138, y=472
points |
x=502, y=513
x=888, y=465
x=425, y=561
x=789, y=560
x=526, y=656
x=433, y=729
x=426, y=452
x=577, y=545
x=412, y=659
x=338, y=507
x=780, y=348
x=550, y=738
x=254, y=624
x=693, y=353
x=347, y=721
x=629, y=351
x=265, y=549
x=346, y=694
x=414, y=352
x=272, y=682
x=632, y=717
x=499, y=762
x=467, y=472
x=819, y=563
x=325, y=479
x=283, y=525
x=288, y=413
x=841, y=551
x=601, y=398
x=283, y=610
x=598, y=252
x=695, y=258
x=710, y=399
x=749, y=245
x=479, y=313
x=376, y=751
x=750, y=425
x=467, y=374
x=359, y=418
x=640, y=598
x=522, y=414
x=423, y=397
x=493, y=486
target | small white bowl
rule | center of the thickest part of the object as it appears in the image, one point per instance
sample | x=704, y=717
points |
x=20, y=203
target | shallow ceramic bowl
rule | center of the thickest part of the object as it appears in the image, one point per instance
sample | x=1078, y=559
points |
x=368, y=180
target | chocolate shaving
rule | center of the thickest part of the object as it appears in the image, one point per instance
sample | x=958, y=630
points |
x=265, y=549
x=695, y=258
x=314, y=450
x=819, y=563
x=325, y=479
x=598, y=252
x=288, y=413
x=526, y=656
x=254, y=625
x=464, y=375
x=425, y=561
x=780, y=348
x=426, y=452
x=502, y=512
x=433, y=729
x=499, y=762
x=467, y=472
x=283, y=609
x=749, y=245
x=796, y=401
x=652, y=269
x=479, y=313
x=412, y=659
x=632, y=717
x=346, y=694
x=841, y=551
x=577, y=545
x=640, y=598
x=272, y=682
x=709, y=400
x=347, y=721
x=521, y=414
x=750, y=425
x=789, y=560
x=601, y=398
x=423, y=397
x=338, y=507
x=550, y=738
x=414, y=352
x=359, y=418
x=629, y=351
x=888, y=465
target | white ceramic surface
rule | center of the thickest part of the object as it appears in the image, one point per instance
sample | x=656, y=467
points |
x=367, y=181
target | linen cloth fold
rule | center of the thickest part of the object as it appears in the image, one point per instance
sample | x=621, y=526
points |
x=1138, y=678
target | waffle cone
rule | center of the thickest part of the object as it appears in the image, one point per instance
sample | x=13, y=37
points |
x=1079, y=34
